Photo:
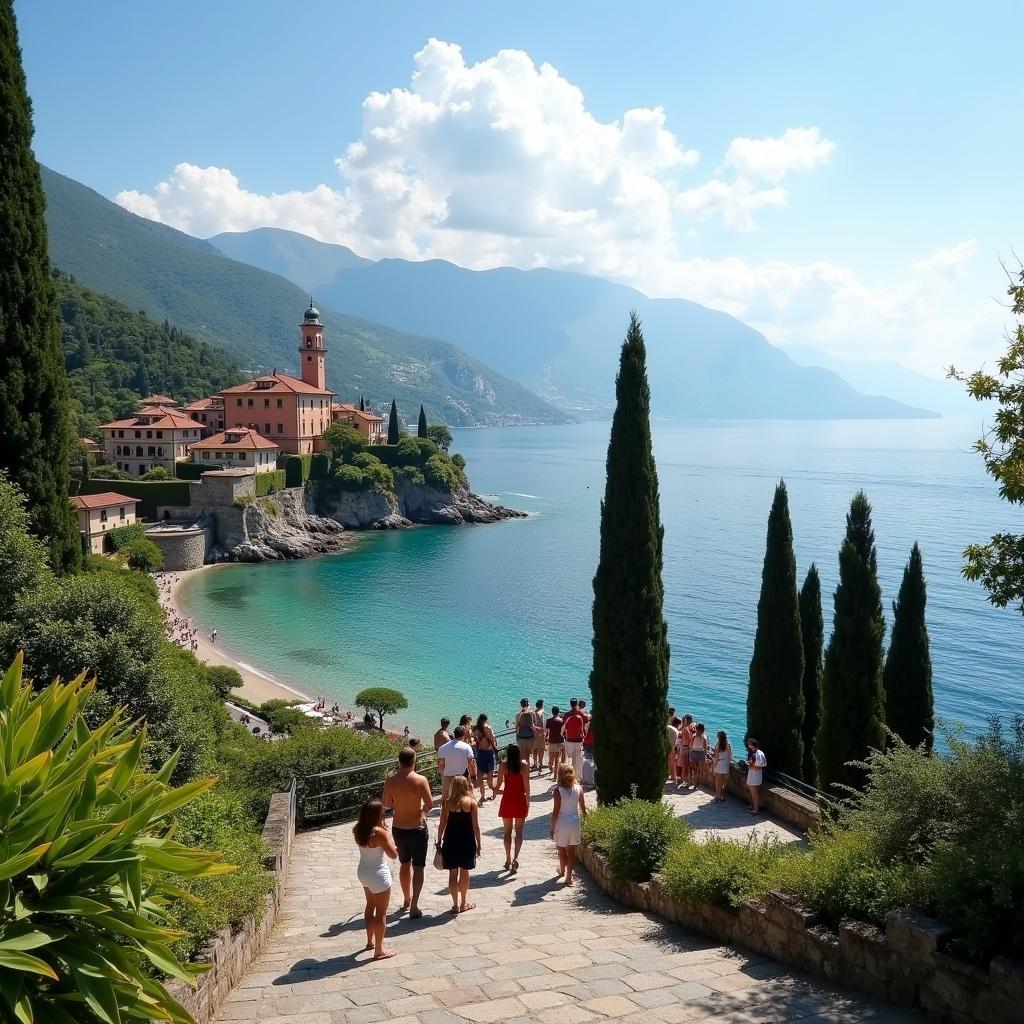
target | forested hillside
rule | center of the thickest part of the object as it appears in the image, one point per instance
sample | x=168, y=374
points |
x=115, y=356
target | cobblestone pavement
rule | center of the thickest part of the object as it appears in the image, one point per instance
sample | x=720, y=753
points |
x=532, y=950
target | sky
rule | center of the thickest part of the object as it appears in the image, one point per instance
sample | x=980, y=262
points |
x=843, y=176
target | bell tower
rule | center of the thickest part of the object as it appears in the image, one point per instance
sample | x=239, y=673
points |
x=312, y=350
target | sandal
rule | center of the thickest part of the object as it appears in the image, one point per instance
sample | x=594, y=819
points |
x=466, y=907
x=515, y=866
x=386, y=954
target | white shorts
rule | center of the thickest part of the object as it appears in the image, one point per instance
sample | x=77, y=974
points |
x=567, y=833
x=376, y=881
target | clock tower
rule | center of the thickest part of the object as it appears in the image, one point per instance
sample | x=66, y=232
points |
x=312, y=350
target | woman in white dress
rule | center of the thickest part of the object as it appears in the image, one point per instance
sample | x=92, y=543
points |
x=720, y=769
x=570, y=808
x=373, y=837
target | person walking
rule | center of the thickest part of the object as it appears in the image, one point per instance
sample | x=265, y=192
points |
x=514, y=785
x=685, y=737
x=458, y=836
x=525, y=730
x=455, y=758
x=567, y=814
x=540, y=734
x=756, y=764
x=698, y=754
x=554, y=731
x=375, y=843
x=486, y=746
x=574, y=729
x=673, y=739
x=441, y=737
x=723, y=758
x=408, y=794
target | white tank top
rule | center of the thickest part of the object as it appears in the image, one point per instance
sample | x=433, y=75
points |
x=569, y=812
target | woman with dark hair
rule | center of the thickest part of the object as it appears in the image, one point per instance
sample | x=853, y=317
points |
x=486, y=745
x=720, y=769
x=375, y=843
x=514, y=785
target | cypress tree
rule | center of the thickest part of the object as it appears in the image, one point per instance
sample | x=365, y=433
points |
x=852, y=697
x=421, y=426
x=629, y=679
x=35, y=426
x=909, y=709
x=812, y=630
x=393, y=424
x=775, y=700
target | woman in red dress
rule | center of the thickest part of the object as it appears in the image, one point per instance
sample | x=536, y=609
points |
x=514, y=786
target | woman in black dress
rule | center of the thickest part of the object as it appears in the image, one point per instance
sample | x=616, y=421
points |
x=459, y=838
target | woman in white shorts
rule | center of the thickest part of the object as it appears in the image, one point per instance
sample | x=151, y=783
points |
x=568, y=812
x=375, y=843
x=722, y=759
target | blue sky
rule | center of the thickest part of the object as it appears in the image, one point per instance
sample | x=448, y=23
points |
x=856, y=183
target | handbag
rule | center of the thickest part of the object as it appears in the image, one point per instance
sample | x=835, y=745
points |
x=438, y=858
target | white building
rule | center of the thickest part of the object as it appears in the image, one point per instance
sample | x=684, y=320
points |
x=237, y=448
x=98, y=513
x=156, y=436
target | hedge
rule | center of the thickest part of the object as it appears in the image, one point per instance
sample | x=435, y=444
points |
x=296, y=469
x=267, y=483
x=320, y=467
x=149, y=493
x=191, y=470
x=121, y=536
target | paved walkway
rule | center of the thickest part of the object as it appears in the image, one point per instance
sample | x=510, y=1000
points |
x=532, y=951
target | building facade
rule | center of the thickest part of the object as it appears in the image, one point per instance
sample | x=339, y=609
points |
x=237, y=448
x=98, y=513
x=156, y=436
x=209, y=412
x=369, y=424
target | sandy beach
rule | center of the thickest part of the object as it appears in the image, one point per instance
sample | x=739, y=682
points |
x=257, y=686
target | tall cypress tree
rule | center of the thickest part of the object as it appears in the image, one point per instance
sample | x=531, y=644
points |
x=812, y=630
x=629, y=679
x=852, y=697
x=909, y=708
x=393, y=424
x=35, y=426
x=775, y=699
x=421, y=426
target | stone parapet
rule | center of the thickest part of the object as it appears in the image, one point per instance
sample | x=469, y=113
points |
x=903, y=963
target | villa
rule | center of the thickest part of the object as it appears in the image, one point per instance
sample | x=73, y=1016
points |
x=155, y=436
x=237, y=448
x=368, y=423
x=98, y=513
x=209, y=412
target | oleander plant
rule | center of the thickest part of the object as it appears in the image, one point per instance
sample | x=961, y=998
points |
x=88, y=863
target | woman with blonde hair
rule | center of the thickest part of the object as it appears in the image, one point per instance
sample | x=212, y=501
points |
x=458, y=836
x=567, y=815
x=375, y=843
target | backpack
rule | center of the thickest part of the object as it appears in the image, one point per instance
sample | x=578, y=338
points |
x=574, y=727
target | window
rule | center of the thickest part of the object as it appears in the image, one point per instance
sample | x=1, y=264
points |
x=151, y=451
x=229, y=455
x=159, y=435
x=267, y=426
x=142, y=468
x=309, y=359
x=250, y=403
x=280, y=428
x=280, y=403
x=220, y=455
x=103, y=515
x=121, y=510
x=138, y=453
x=138, y=434
x=309, y=344
x=266, y=403
x=120, y=433
x=238, y=402
x=149, y=433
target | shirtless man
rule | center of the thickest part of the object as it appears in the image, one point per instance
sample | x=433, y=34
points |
x=441, y=737
x=408, y=793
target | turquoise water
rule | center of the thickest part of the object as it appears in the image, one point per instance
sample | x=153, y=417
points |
x=470, y=619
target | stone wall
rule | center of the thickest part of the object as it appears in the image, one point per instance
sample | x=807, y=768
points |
x=904, y=963
x=183, y=547
x=231, y=951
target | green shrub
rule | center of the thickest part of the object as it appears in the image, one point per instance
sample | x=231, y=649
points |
x=721, y=871
x=267, y=483
x=439, y=472
x=107, y=472
x=296, y=469
x=351, y=478
x=412, y=474
x=150, y=493
x=193, y=470
x=320, y=466
x=283, y=717
x=156, y=473
x=374, y=471
x=144, y=555
x=634, y=835
x=223, y=679
x=121, y=536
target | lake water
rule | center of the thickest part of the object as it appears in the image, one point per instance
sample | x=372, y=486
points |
x=470, y=619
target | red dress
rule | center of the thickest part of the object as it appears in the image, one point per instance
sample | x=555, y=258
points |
x=513, y=797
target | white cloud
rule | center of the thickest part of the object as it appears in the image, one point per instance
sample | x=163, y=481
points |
x=501, y=163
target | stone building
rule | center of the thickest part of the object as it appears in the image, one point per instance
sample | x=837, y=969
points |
x=98, y=513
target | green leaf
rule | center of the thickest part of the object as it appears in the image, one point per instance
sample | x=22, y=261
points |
x=22, y=861
x=16, y=960
x=25, y=937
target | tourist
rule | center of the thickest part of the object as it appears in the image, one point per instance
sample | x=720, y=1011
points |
x=486, y=745
x=526, y=725
x=414, y=743
x=698, y=754
x=587, y=774
x=673, y=739
x=685, y=736
x=441, y=737
x=514, y=785
x=375, y=843
x=454, y=759
x=554, y=731
x=458, y=836
x=567, y=816
x=574, y=729
x=408, y=794
x=405, y=735
x=756, y=764
x=539, y=736
x=723, y=758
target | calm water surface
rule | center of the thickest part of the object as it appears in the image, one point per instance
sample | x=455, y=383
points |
x=473, y=618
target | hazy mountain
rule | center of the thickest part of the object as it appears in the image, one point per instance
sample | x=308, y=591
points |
x=892, y=379
x=253, y=316
x=560, y=332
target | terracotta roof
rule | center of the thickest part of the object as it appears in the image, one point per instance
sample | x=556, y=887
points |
x=247, y=438
x=354, y=410
x=89, y=442
x=104, y=500
x=202, y=404
x=159, y=400
x=279, y=382
x=167, y=420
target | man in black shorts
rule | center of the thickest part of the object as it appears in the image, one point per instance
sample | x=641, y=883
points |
x=408, y=793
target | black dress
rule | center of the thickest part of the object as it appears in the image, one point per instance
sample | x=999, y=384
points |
x=458, y=850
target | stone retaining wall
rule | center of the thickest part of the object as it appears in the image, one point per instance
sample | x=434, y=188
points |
x=231, y=951
x=903, y=964
x=183, y=547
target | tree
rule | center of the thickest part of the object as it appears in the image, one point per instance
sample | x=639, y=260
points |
x=344, y=441
x=421, y=426
x=144, y=555
x=812, y=632
x=775, y=699
x=381, y=701
x=440, y=435
x=629, y=678
x=852, y=696
x=156, y=473
x=22, y=556
x=909, y=708
x=35, y=426
x=999, y=564
x=223, y=679
x=393, y=428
